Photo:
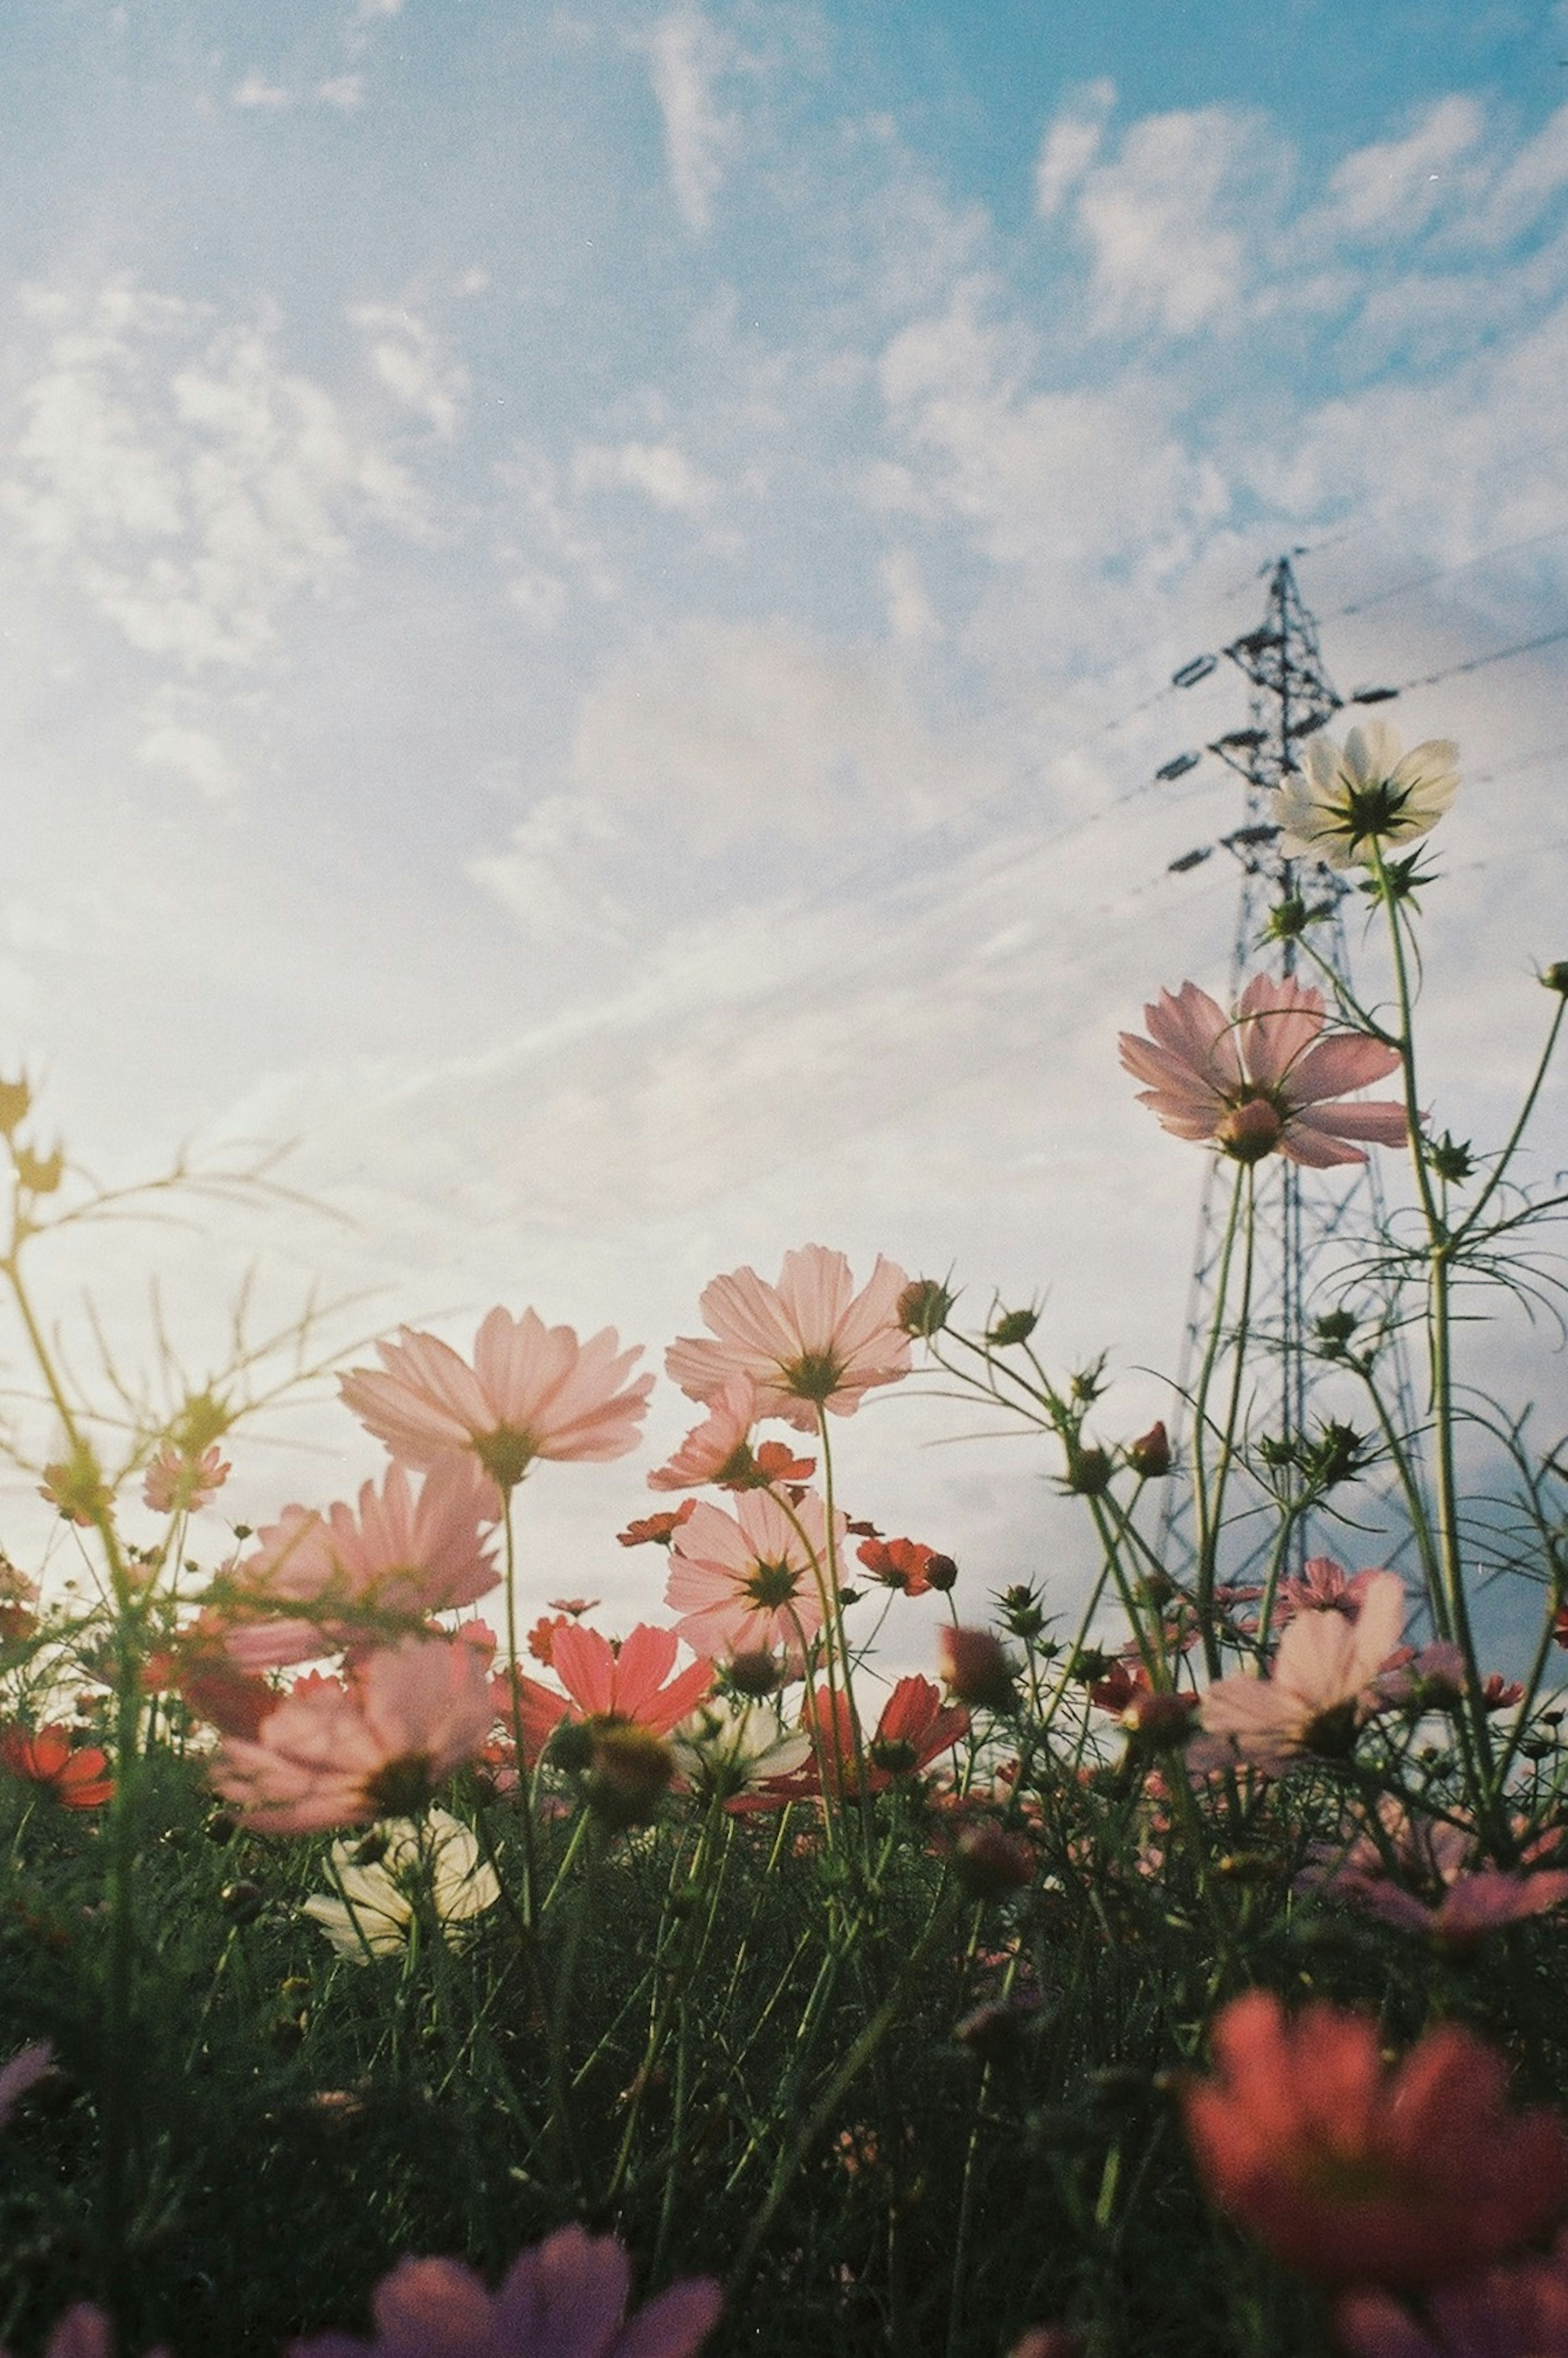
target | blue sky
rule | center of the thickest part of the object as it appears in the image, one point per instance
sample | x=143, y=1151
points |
x=567, y=570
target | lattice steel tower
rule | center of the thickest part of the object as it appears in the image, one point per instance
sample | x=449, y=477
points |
x=1306, y=1219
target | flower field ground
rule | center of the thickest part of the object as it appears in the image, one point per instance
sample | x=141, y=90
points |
x=396, y=1960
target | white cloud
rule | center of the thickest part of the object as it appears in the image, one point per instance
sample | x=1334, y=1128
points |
x=912, y=619
x=732, y=729
x=664, y=474
x=687, y=56
x=1070, y=147
x=1166, y=219
x=406, y=358
x=1394, y=186
x=195, y=755
x=256, y=91
x=184, y=481
x=345, y=91
x=543, y=876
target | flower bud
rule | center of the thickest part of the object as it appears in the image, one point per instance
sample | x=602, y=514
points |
x=756, y=1672
x=941, y=1572
x=1013, y=1327
x=629, y=1774
x=976, y=1667
x=1556, y=977
x=990, y=1862
x=1160, y=1721
x=924, y=1306
x=15, y=1103
x=39, y=1174
x=1149, y=1455
x=1088, y=1472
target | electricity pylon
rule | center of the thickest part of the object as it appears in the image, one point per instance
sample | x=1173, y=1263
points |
x=1308, y=1222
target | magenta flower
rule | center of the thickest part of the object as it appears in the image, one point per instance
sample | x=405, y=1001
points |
x=809, y=1343
x=1457, y=1899
x=565, y=2298
x=533, y=1391
x=748, y=1582
x=1324, y=1587
x=1516, y=2311
x=1321, y=1689
x=337, y=1753
x=400, y=1559
x=1263, y=1081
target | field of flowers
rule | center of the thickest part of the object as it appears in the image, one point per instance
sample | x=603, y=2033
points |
x=396, y=1962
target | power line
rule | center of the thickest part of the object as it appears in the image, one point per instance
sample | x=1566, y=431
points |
x=1446, y=573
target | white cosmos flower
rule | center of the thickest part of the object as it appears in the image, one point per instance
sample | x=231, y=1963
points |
x=726, y=1747
x=378, y=1873
x=1371, y=791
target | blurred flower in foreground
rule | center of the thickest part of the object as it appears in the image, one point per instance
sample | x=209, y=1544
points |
x=401, y=1557
x=1342, y=802
x=21, y=2073
x=335, y=1755
x=533, y=1391
x=1356, y=2175
x=76, y=1776
x=565, y=2298
x=378, y=1876
x=175, y=1483
x=1321, y=1688
x=1263, y=1081
x=1520, y=2311
x=809, y=1343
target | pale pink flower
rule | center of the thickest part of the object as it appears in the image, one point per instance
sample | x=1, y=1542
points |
x=809, y=1343
x=745, y=1583
x=84, y=2332
x=1264, y=1079
x=174, y=1481
x=336, y=1754
x=717, y=1449
x=565, y=2298
x=401, y=1558
x=1324, y=1587
x=533, y=1391
x=1321, y=1689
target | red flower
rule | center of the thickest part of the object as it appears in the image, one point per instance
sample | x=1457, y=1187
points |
x=76, y=1777
x=898, y=1563
x=657, y=1530
x=1355, y=2175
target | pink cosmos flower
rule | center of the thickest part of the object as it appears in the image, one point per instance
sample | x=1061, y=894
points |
x=809, y=1343
x=533, y=1391
x=400, y=1559
x=1324, y=1587
x=1458, y=1899
x=1264, y=1079
x=1355, y=2175
x=174, y=1481
x=84, y=2332
x=717, y=1449
x=1321, y=1689
x=565, y=2298
x=339, y=1754
x=745, y=1583
x=1516, y=2311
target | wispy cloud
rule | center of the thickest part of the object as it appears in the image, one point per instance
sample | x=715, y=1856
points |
x=687, y=56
